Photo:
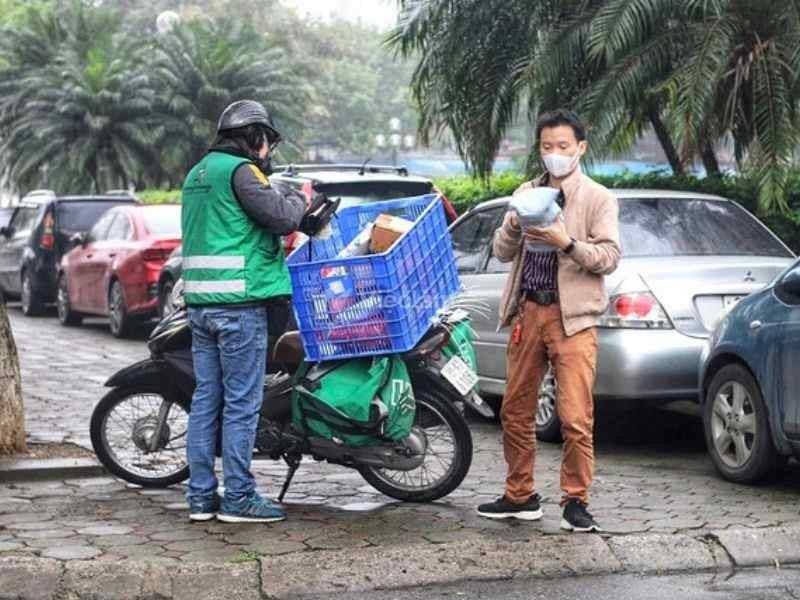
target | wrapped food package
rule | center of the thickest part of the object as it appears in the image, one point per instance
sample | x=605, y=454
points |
x=536, y=207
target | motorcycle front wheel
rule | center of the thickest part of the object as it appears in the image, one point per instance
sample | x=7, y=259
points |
x=448, y=455
x=140, y=436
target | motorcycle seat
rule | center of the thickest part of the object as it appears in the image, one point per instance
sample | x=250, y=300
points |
x=289, y=349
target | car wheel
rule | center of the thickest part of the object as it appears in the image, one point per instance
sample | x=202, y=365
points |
x=165, y=305
x=548, y=425
x=738, y=434
x=31, y=305
x=119, y=321
x=66, y=315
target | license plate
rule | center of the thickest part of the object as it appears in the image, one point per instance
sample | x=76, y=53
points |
x=728, y=302
x=458, y=373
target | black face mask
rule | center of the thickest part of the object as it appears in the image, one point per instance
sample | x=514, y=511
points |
x=265, y=165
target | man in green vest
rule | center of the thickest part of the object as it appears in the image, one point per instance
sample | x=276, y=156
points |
x=233, y=264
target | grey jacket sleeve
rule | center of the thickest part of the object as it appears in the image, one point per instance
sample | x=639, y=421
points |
x=279, y=210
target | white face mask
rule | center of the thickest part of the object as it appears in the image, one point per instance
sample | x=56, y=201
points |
x=559, y=165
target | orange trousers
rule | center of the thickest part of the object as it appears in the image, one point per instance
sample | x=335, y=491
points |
x=538, y=336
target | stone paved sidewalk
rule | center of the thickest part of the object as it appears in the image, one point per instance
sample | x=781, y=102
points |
x=639, y=489
x=653, y=476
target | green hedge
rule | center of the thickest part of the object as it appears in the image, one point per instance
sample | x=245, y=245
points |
x=465, y=192
x=159, y=196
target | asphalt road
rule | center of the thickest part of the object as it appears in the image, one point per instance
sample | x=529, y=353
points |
x=760, y=584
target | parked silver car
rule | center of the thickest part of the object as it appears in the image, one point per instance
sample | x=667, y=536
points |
x=688, y=258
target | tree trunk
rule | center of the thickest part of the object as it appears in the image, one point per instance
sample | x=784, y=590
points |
x=665, y=139
x=12, y=422
x=709, y=158
x=93, y=173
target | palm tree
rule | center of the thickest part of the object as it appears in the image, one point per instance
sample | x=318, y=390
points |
x=610, y=62
x=740, y=77
x=697, y=71
x=81, y=109
x=476, y=63
x=201, y=67
x=714, y=69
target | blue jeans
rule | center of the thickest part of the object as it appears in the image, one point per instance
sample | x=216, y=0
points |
x=229, y=347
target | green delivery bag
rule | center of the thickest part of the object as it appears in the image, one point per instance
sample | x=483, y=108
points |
x=362, y=402
x=461, y=344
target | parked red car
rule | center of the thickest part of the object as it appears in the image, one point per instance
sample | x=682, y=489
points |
x=113, y=270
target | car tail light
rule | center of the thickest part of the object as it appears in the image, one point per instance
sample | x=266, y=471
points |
x=308, y=190
x=449, y=210
x=48, y=240
x=638, y=310
x=156, y=254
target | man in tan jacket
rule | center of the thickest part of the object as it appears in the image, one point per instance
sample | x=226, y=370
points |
x=552, y=301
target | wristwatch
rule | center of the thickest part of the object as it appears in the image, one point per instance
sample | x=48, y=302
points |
x=571, y=247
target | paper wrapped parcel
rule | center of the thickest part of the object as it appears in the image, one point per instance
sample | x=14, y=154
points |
x=536, y=207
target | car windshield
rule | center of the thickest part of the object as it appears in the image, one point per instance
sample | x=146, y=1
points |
x=81, y=216
x=163, y=220
x=357, y=192
x=693, y=227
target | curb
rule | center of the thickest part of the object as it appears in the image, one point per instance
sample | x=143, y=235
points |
x=479, y=558
x=31, y=469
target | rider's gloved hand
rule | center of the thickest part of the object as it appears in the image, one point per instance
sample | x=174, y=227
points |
x=318, y=214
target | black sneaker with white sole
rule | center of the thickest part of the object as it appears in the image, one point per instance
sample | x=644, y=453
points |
x=503, y=509
x=576, y=518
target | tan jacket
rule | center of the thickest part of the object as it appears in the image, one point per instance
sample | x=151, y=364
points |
x=591, y=218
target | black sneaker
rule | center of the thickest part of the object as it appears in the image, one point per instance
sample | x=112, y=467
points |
x=577, y=518
x=503, y=509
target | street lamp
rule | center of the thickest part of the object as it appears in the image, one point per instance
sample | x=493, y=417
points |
x=395, y=139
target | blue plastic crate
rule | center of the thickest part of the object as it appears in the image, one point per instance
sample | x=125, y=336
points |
x=353, y=219
x=377, y=304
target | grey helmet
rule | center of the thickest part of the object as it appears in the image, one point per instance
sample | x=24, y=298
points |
x=248, y=112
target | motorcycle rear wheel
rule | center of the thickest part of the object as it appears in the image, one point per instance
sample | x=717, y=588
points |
x=120, y=426
x=443, y=425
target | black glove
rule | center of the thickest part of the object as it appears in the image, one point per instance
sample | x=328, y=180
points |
x=318, y=214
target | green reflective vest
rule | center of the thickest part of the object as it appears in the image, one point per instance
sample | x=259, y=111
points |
x=227, y=257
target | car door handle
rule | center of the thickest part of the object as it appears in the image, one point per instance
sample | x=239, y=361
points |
x=112, y=254
x=89, y=255
x=755, y=325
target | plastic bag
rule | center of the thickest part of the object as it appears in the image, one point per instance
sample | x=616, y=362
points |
x=360, y=244
x=537, y=207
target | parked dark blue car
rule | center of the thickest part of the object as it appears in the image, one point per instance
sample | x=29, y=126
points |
x=751, y=383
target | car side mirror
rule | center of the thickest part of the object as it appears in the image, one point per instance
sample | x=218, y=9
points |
x=78, y=239
x=6, y=231
x=789, y=286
